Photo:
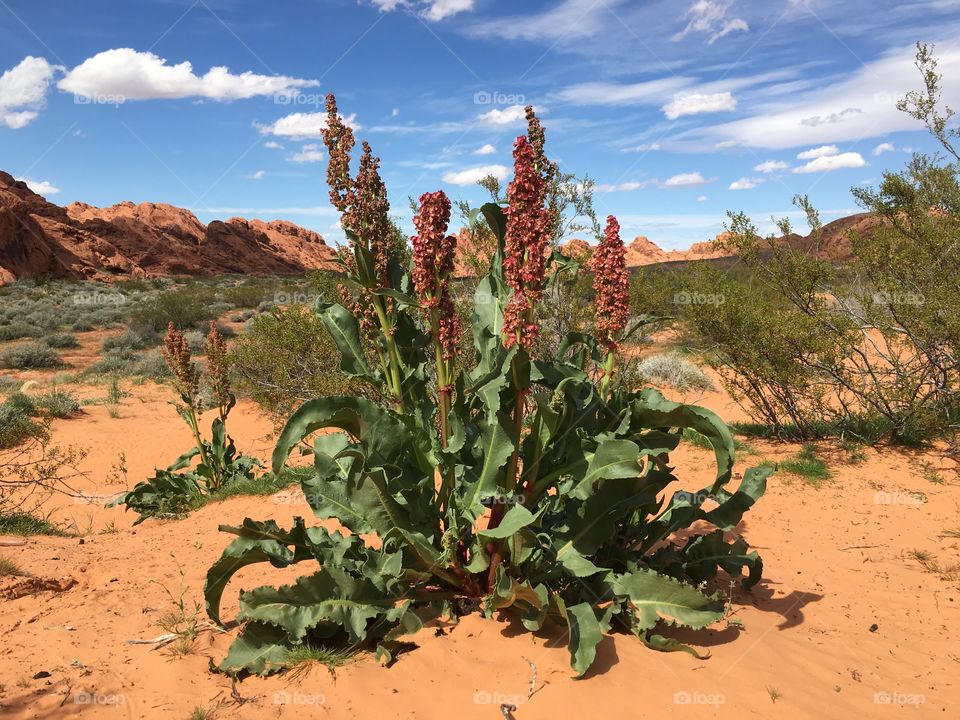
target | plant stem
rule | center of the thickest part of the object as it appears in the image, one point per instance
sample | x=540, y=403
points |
x=609, y=369
x=393, y=379
x=195, y=427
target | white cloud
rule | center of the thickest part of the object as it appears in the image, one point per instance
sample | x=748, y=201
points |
x=710, y=18
x=487, y=149
x=883, y=147
x=40, y=187
x=258, y=175
x=745, y=183
x=303, y=125
x=693, y=179
x=606, y=93
x=874, y=89
x=818, y=152
x=273, y=145
x=702, y=198
x=311, y=153
x=829, y=163
x=567, y=20
x=395, y=112
x=645, y=147
x=23, y=90
x=133, y=75
x=770, y=166
x=628, y=186
x=699, y=103
x=433, y=10
x=472, y=176
x=513, y=115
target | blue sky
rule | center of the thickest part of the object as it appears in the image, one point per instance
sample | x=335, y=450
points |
x=679, y=111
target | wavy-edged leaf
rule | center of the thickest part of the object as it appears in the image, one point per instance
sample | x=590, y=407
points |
x=656, y=597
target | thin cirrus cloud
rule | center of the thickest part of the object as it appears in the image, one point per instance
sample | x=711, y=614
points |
x=23, y=91
x=472, y=176
x=711, y=18
x=699, y=103
x=132, y=75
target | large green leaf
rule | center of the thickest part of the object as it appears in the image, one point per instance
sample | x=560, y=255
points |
x=345, y=331
x=657, y=597
x=585, y=635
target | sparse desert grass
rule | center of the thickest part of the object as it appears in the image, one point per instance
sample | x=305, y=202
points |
x=696, y=439
x=806, y=464
x=8, y=567
x=303, y=657
x=948, y=573
x=931, y=474
x=674, y=370
x=26, y=524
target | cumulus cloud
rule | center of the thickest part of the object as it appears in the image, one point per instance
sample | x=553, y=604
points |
x=273, y=145
x=303, y=125
x=770, y=166
x=311, y=153
x=818, y=152
x=40, y=187
x=513, y=115
x=709, y=17
x=472, y=176
x=23, y=91
x=829, y=163
x=745, y=183
x=133, y=75
x=433, y=10
x=487, y=149
x=699, y=103
x=693, y=179
x=883, y=147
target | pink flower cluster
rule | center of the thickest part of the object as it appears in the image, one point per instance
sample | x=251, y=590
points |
x=434, y=256
x=525, y=246
x=611, y=283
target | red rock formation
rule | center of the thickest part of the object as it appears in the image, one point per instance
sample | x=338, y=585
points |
x=40, y=238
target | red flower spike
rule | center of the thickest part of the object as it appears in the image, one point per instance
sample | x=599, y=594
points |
x=611, y=283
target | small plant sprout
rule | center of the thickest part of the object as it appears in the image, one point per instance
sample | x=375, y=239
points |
x=501, y=478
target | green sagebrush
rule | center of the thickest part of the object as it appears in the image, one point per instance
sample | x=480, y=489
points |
x=583, y=535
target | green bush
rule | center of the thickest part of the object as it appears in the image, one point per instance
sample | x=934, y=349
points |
x=30, y=356
x=57, y=403
x=18, y=330
x=185, y=307
x=61, y=340
x=16, y=425
x=288, y=357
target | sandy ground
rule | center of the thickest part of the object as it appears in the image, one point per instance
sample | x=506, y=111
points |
x=846, y=623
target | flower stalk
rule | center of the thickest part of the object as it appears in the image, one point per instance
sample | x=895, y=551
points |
x=611, y=284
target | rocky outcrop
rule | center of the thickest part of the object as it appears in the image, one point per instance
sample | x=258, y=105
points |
x=38, y=238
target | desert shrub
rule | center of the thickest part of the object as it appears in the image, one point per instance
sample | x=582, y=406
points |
x=30, y=356
x=674, y=370
x=129, y=340
x=185, y=307
x=57, y=403
x=522, y=484
x=287, y=357
x=118, y=360
x=249, y=293
x=16, y=425
x=19, y=330
x=60, y=340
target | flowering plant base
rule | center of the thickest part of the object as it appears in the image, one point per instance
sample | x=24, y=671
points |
x=521, y=485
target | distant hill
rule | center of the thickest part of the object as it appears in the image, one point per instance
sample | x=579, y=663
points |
x=38, y=238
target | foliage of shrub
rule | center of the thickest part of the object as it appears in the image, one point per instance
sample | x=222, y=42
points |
x=286, y=358
x=674, y=370
x=185, y=307
x=30, y=356
x=57, y=403
x=16, y=425
x=18, y=330
x=61, y=340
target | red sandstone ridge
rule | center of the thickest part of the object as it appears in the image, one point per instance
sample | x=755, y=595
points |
x=38, y=238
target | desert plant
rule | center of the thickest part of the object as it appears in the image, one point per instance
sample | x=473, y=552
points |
x=173, y=491
x=520, y=484
x=674, y=370
x=60, y=340
x=30, y=356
